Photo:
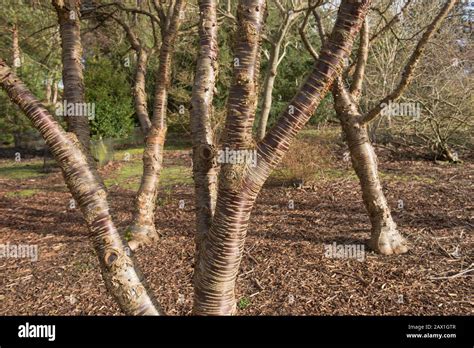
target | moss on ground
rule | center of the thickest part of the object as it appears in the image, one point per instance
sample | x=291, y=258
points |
x=128, y=176
x=19, y=170
x=22, y=193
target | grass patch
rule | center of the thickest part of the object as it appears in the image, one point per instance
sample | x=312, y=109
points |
x=176, y=175
x=129, y=175
x=405, y=178
x=243, y=303
x=20, y=170
x=323, y=135
x=22, y=193
x=124, y=154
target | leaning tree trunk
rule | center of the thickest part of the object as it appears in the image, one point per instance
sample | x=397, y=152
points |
x=120, y=275
x=204, y=152
x=70, y=31
x=221, y=251
x=143, y=231
x=385, y=237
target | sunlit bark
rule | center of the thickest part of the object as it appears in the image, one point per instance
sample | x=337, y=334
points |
x=221, y=251
x=204, y=150
x=385, y=237
x=122, y=279
x=143, y=230
x=70, y=31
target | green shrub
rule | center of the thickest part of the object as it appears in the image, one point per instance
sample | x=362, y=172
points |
x=107, y=87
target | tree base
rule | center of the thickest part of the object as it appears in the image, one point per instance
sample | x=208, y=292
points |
x=141, y=236
x=388, y=242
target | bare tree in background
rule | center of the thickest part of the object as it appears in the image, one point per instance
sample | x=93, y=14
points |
x=385, y=237
x=168, y=15
x=289, y=11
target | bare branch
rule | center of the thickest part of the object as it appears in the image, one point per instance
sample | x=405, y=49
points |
x=362, y=55
x=412, y=63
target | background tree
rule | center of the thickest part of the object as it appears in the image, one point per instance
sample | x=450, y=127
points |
x=385, y=237
x=143, y=228
x=69, y=13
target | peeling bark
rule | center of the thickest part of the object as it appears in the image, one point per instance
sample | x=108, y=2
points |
x=385, y=237
x=204, y=152
x=243, y=94
x=143, y=229
x=221, y=252
x=121, y=277
x=70, y=31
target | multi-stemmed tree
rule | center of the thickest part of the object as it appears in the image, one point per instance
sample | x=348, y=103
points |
x=168, y=17
x=221, y=246
x=222, y=230
x=143, y=226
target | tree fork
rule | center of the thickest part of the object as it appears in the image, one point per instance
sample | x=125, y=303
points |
x=239, y=185
x=142, y=230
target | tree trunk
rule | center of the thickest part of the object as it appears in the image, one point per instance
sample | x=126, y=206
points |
x=267, y=92
x=16, y=61
x=70, y=31
x=48, y=90
x=271, y=74
x=120, y=275
x=139, y=91
x=385, y=238
x=204, y=152
x=139, y=85
x=54, y=98
x=221, y=252
x=143, y=229
x=15, y=49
